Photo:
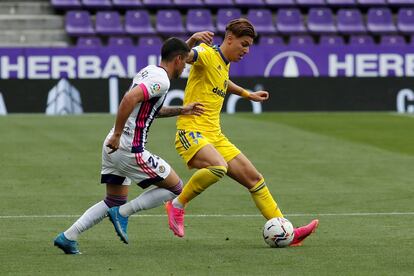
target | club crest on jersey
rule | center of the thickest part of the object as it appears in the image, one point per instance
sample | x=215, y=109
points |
x=155, y=87
x=199, y=48
x=161, y=169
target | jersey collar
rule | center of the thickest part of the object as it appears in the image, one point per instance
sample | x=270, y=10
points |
x=217, y=48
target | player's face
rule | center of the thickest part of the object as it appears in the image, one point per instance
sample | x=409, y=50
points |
x=179, y=65
x=239, y=47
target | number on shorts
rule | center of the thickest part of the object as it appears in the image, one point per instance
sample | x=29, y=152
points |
x=153, y=163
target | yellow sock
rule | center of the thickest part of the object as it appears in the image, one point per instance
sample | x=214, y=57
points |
x=264, y=200
x=200, y=181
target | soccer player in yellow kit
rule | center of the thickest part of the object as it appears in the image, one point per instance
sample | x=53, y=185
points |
x=199, y=139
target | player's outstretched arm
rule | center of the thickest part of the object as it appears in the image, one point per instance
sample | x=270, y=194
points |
x=190, y=109
x=202, y=37
x=258, y=96
x=134, y=96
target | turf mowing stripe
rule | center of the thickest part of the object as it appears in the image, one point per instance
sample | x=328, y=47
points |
x=223, y=215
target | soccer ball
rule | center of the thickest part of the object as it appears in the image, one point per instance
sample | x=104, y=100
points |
x=278, y=232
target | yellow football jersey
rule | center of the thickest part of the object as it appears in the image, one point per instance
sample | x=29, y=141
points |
x=206, y=84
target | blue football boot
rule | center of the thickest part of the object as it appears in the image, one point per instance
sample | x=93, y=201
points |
x=68, y=246
x=120, y=223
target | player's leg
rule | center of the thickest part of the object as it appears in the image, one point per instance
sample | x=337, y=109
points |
x=199, y=153
x=147, y=169
x=164, y=191
x=67, y=241
x=211, y=168
x=243, y=171
x=116, y=195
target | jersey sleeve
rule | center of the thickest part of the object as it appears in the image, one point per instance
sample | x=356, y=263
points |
x=201, y=55
x=154, y=87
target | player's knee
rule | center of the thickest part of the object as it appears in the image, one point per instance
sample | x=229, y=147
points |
x=115, y=200
x=177, y=189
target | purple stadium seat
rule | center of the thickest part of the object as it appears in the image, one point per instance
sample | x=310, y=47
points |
x=218, y=3
x=97, y=4
x=341, y=3
x=392, y=40
x=89, y=42
x=289, y=21
x=361, y=40
x=188, y=3
x=199, y=20
x=121, y=41
x=379, y=20
x=271, y=40
x=224, y=16
x=79, y=23
x=169, y=22
x=349, y=21
x=301, y=40
x=262, y=21
x=124, y=4
x=402, y=3
x=108, y=23
x=280, y=3
x=217, y=40
x=371, y=2
x=331, y=40
x=321, y=21
x=249, y=3
x=149, y=41
x=311, y=3
x=157, y=3
x=138, y=22
x=66, y=4
x=405, y=22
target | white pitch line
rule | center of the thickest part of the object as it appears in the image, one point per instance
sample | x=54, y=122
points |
x=224, y=215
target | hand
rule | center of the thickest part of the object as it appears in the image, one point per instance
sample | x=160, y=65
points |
x=205, y=37
x=113, y=143
x=259, y=96
x=193, y=109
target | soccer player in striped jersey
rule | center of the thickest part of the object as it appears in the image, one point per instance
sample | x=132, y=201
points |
x=124, y=157
x=199, y=139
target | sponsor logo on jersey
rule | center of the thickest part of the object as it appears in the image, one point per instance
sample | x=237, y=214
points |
x=219, y=92
x=155, y=87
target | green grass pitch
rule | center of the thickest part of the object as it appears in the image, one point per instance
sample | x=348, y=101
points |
x=353, y=171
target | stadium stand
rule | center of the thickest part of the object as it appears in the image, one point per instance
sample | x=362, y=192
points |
x=63, y=22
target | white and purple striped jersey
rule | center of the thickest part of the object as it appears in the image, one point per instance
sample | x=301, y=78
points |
x=155, y=83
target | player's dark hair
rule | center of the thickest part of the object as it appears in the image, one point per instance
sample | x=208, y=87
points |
x=241, y=27
x=173, y=47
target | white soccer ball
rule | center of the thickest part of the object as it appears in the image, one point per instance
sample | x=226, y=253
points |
x=278, y=232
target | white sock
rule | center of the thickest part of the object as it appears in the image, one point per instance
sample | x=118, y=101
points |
x=177, y=204
x=92, y=216
x=147, y=200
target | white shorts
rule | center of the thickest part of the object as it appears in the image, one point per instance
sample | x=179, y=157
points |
x=123, y=167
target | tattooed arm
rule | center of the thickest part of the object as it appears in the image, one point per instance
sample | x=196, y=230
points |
x=190, y=109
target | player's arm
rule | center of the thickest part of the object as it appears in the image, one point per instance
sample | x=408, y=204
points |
x=258, y=96
x=129, y=101
x=202, y=37
x=190, y=109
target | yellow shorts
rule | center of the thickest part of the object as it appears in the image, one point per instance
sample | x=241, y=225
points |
x=188, y=143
